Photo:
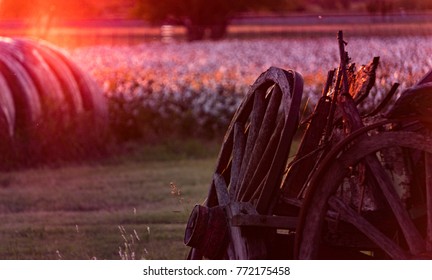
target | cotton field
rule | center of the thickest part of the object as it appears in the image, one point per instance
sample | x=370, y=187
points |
x=194, y=88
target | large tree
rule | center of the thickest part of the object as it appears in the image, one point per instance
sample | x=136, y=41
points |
x=198, y=16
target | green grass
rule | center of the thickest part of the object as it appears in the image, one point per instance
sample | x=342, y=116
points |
x=74, y=212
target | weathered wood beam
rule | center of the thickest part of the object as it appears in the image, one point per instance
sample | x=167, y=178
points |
x=282, y=222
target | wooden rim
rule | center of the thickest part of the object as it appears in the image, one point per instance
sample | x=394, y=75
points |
x=255, y=150
x=325, y=182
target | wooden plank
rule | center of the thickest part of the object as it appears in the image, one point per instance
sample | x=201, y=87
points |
x=344, y=59
x=329, y=82
x=363, y=81
x=256, y=220
x=302, y=166
x=245, y=246
x=291, y=201
x=385, y=101
x=237, y=244
x=425, y=79
x=368, y=229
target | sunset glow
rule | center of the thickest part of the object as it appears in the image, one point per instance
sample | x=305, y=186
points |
x=79, y=9
x=57, y=20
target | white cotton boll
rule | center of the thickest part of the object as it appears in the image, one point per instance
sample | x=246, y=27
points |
x=214, y=76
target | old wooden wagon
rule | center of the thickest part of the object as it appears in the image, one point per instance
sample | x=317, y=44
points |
x=358, y=187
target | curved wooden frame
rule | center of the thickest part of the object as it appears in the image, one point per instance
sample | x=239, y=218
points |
x=254, y=155
x=326, y=181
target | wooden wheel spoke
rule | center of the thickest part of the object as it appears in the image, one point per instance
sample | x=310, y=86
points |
x=262, y=140
x=265, y=148
x=221, y=189
x=256, y=186
x=238, y=152
x=336, y=166
x=257, y=116
x=351, y=216
x=250, y=165
x=412, y=235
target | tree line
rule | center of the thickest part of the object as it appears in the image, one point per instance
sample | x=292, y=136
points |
x=201, y=18
x=211, y=18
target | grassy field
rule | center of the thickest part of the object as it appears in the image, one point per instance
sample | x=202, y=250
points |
x=134, y=206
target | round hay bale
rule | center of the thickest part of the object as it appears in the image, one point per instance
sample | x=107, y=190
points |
x=49, y=107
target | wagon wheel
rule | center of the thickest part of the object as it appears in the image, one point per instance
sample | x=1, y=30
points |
x=251, y=163
x=399, y=228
